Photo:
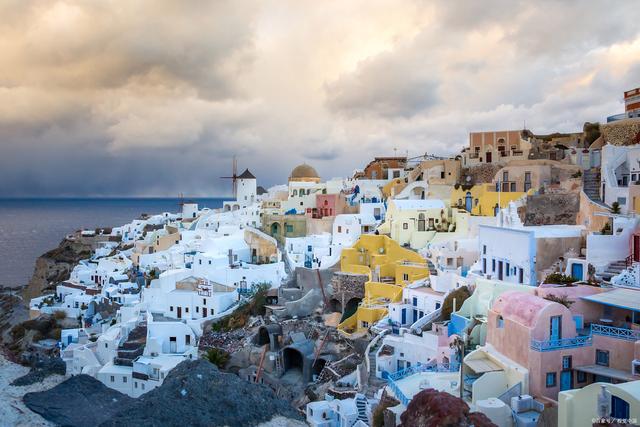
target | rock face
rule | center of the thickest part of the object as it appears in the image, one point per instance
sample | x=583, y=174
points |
x=545, y=209
x=432, y=408
x=56, y=265
x=79, y=401
x=195, y=393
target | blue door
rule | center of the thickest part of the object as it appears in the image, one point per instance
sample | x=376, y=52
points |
x=468, y=202
x=619, y=408
x=565, y=380
x=576, y=271
x=554, y=332
x=404, y=316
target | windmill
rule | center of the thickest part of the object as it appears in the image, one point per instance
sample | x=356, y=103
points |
x=233, y=177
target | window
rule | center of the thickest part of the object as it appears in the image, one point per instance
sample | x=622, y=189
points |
x=500, y=322
x=405, y=226
x=438, y=305
x=602, y=357
x=551, y=379
x=581, y=377
x=289, y=228
x=484, y=249
x=142, y=384
x=622, y=200
x=124, y=379
x=505, y=176
x=187, y=339
x=170, y=308
x=513, y=187
x=339, y=229
x=135, y=384
x=186, y=309
x=527, y=177
x=415, y=300
x=405, y=276
x=204, y=301
x=113, y=379
x=566, y=362
x=507, y=269
x=493, y=265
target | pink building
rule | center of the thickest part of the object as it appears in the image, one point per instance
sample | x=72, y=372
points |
x=563, y=348
x=327, y=205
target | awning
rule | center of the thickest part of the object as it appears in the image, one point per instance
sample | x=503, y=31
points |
x=621, y=298
x=483, y=365
x=606, y=371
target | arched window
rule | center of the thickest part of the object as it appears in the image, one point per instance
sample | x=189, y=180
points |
x=295, y=193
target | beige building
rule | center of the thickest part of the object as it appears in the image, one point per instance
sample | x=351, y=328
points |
x=495, y=147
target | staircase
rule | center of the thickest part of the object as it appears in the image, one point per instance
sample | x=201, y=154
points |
x=374, y=383
x=432, y=268
x=361, y=405
x=591, y=184
x=132, y=347
x=613, y=269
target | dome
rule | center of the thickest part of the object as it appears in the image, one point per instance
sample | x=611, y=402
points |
x=304, y=172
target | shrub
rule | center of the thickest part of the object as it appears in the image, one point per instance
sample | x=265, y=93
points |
x=615, y=208
x=563, y=299
x=577, y=174
x=217, y=356
x=606, y=229
x=559, y=279
x=59, y=315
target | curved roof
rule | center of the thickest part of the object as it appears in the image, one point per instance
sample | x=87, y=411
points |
x=520, y=307
x=303, y=171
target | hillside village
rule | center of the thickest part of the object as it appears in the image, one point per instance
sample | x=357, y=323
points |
x=506, y=276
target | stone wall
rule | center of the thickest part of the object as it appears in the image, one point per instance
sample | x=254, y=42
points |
x=547, y=209
x=623, y=132
x=347, y=286
x=479, y=174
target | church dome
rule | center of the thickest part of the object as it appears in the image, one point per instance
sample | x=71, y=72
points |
x=304, y=172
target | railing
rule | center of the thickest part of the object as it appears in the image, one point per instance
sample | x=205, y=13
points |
x=550, y=345
x=612, y=331
x=392, y=378
x=586, y=340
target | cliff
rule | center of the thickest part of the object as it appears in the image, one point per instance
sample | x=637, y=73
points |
x=56, y=265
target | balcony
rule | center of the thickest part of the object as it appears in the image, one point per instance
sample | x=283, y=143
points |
x=551, y=345
x=586, y=340
x=612, y=331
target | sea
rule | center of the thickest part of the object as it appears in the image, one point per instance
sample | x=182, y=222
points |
x=31, y=227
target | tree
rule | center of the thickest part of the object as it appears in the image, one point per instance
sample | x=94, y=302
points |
x=615, y=208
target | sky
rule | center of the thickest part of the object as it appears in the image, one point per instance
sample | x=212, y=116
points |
x=155, y=97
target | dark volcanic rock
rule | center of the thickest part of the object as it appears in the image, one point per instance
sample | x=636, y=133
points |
x=195, y=393
x=41, y=370
x=79, y=401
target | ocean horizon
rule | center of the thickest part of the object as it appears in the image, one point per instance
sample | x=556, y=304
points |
x=31, y=226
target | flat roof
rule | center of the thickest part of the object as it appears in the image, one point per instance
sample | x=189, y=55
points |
x=605, y=371
x=483, y=365
x=621, y=298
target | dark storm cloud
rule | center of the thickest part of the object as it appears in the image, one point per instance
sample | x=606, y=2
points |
x=156, y=97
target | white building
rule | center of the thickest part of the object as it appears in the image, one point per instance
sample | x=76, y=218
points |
x=620, y=171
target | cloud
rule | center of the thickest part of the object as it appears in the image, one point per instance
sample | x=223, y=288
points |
x=156, y=97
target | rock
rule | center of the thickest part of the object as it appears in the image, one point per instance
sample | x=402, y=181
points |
x=196, y=393
x=79, y=401
x=41, y=370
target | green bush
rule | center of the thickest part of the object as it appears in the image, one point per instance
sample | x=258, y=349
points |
x=559, y=279
x=217, y=356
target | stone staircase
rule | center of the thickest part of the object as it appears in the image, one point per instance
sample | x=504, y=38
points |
x=613, y=269
x=132, y=347
x=361, y=405
x=591, y=184
x=432, y=268
x=374, y=383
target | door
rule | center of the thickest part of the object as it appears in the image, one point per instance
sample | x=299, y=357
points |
x=636, y=248
x=499, y=270
x=179, y=312
x=619, y=408
x=173, y=345
x=468, y=202
x=488, y=156
x=577, y=270
x=204, y=311
x=404, y=316
x=555, y=328
x=566, y=380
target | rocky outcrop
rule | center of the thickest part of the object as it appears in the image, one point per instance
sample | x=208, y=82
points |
x=545, y=209
x=194, y=393
x=623, y=132
x=56, y=265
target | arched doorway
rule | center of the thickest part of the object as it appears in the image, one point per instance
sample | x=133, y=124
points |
x=350, y=308
x=335, y=306
x=292, y=359
x=275, y=229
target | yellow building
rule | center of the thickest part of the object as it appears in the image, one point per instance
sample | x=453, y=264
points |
x=483, y=199
x=389, y=267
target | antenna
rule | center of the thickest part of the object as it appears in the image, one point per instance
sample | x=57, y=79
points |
x=233, y=177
